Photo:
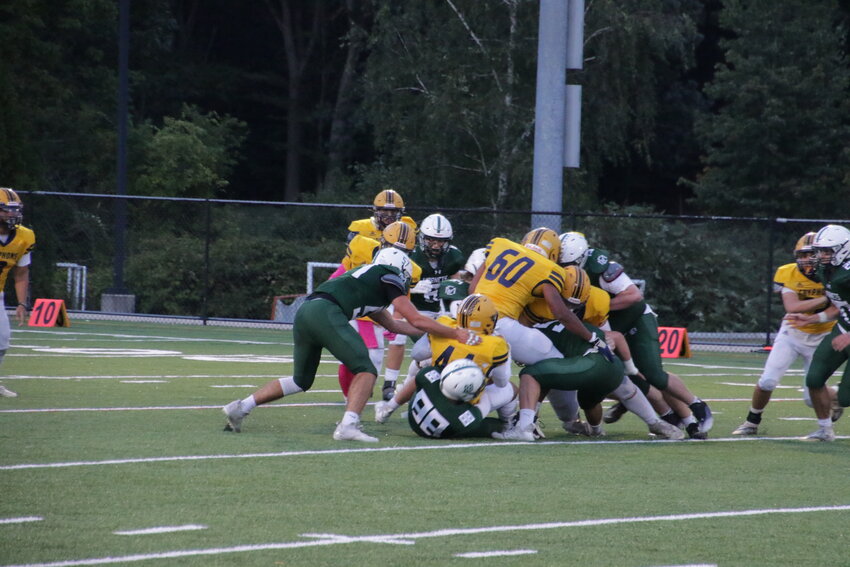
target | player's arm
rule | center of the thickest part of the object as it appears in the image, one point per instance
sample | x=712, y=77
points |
x=793, y=304
x=475, y=278
x=21, y=275
x=626, y=298
x=563, y=313
x=415, y=323
x=801, y=320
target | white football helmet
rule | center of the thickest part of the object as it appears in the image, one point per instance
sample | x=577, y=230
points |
x=475, y=260
x=462, y=380
x=574, y=249
x=832, y=243
x=395, y=257
x=435, y=235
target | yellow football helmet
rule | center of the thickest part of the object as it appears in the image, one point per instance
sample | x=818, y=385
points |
x=544, y=241
x=388, y=207
x=477, y=313
x=11, y=204
x=805, y=255
x=576, y=286
x=399, y=235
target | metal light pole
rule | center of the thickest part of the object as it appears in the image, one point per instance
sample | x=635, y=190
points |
x=558, y=106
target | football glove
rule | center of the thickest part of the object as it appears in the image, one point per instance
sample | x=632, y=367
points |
x=600, y=346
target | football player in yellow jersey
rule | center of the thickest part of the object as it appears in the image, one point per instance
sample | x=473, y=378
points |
x=476, y=313
x=800, y=293
x=16, y=244
x=512, y=275
x=387, y=208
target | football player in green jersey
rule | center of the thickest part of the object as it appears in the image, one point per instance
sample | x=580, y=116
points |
x=582, y=369
x=832, y=244
x=635, y=319
x=439, y=261
x=323, y=322
x=451, y=403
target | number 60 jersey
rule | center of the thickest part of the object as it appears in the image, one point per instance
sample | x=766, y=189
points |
x=513, y=275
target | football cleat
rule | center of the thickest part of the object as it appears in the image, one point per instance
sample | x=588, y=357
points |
x=673, y=419
x=537, y=429
x=235, y=414
x=835, y=413
x=7, y=393
x=702, y=413
x=382, y=412
x=595, y=431
x=747, y=428
x=614, y=413
x=664, y=430
x=352, y=432
x=822, y=434
x=694, y=431
x=515, y=434
x=388, y=391
x=577, y=427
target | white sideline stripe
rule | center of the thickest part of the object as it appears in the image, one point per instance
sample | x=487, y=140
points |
x=21, y=520
x=72, y=335
x=172, y=376
x=334, y=539
x=162, y=530
x=163, y=408
x=477, y=554
x=750, y=385
x=488, y=445
x=233, y=386
x=144, y=381
x=294, y=405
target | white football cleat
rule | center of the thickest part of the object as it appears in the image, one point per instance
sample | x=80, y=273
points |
x=664, y=430
x=515, y=434
x=822, y=434
x=235, y=414
x=352, y=432
x=747, y=428
x=7, y=393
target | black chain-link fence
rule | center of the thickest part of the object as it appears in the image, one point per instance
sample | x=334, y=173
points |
x=223, y=261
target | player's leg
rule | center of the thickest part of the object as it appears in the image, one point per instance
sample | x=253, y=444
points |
x=307, y=353
x=780, y=359
x=5, y=336
x=824, y=363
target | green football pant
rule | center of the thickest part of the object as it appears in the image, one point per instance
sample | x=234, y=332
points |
x=319, y=324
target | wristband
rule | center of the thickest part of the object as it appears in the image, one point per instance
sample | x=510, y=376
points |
x=823, y=317
x=24, y=305
x=631, y=369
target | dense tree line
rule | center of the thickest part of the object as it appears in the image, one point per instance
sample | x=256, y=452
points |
x=698, y=106
x=731, y=107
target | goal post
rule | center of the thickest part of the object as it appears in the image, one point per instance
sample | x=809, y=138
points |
x=284, y=307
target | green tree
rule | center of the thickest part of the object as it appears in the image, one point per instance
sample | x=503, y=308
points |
x=450, y=96
x=777, y=143
x=188, y=156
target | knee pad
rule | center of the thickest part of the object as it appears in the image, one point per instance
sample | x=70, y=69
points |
x=769, y=384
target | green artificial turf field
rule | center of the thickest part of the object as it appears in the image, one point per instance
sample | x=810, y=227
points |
x=114, y=454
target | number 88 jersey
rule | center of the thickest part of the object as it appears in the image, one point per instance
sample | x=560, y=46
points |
x=513, y=276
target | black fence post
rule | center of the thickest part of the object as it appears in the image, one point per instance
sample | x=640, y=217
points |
x=771, y=239
x=207, y=237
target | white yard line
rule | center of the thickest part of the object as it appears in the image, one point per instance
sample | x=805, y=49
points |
x=436, y=447
x=162, y=530
x=21, y=520
x=319, y=540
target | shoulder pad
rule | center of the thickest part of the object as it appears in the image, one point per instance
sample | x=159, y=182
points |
x=395, y=280
x=612, y=272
